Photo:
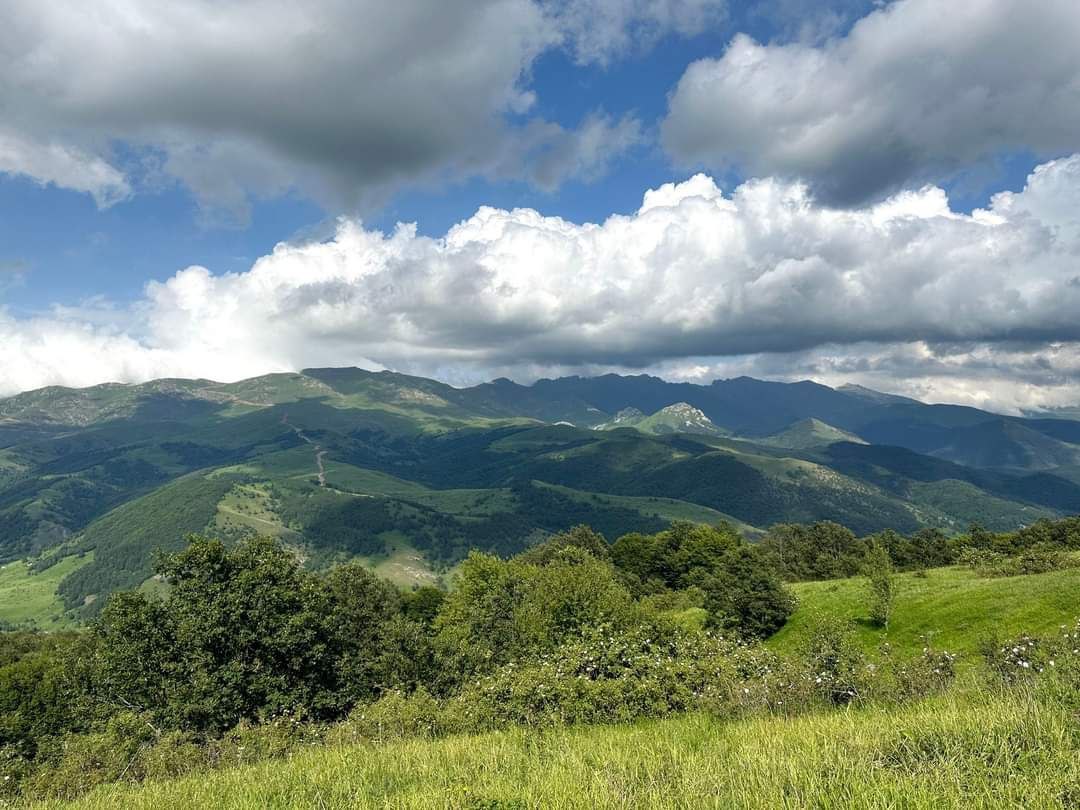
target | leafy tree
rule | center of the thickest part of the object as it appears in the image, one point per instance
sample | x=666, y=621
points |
x=743, y=593
x=423, y=604
x=243, y=633
x=881, y=582
x=824, y=550
x=746, y=596
x=363, y=615
x=581, y=537
x=501, y=611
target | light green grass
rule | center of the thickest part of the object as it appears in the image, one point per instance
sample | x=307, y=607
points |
x=29, y=599
x=292, y=463
x=248, y=507
x=467, y=502
x=954, y=605
x=404, y=565
x=960, y=751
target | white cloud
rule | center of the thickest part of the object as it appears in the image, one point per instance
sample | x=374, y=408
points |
x=63, y=166
x=763, y=276
x=915, y=88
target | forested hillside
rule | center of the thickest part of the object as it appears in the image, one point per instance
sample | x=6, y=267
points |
x=345, y=464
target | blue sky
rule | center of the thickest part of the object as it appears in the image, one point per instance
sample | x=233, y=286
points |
x=139, y=147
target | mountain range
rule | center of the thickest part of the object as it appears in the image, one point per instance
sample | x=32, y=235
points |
x=409, y=473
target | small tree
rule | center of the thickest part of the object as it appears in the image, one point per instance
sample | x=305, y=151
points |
x=881, y=580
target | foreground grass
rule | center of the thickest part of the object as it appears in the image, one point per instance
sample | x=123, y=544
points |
x=953, y=606
x=963, y=750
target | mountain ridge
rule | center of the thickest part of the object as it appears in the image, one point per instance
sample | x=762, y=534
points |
x=350, y=463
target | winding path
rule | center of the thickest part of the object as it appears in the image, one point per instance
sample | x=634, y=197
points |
x=319, y=452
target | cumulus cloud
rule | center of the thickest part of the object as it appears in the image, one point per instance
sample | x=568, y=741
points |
x=915, y=88
x=763, y=280
x=343, y=101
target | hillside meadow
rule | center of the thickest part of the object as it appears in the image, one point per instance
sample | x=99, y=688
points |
x=961, y=750
x=952, y=608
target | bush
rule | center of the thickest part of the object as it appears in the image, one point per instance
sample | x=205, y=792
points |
x=1016, y=660
x=502, y=611
x=929, y=673
x=835, y=663
x=395, y=716
x=1038, y=559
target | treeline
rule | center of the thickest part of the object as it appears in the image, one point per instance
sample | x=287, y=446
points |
x=248, y=654
x=247, y=635
x=827, y=550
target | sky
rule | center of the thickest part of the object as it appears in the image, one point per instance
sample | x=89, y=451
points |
x=882, y=193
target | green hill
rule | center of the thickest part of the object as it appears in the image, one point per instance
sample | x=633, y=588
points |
x=346, y=462
x=808, y=433
x=952, y=607
x=676, y=418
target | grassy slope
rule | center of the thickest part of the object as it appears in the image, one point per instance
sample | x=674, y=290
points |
x=954, y=751
x=666, y=508
x=29, y=598
x=404, y=565
x=956, y=606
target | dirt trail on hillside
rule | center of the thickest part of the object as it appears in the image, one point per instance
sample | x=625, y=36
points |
x=319, y=452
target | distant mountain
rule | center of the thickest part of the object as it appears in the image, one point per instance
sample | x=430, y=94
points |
x=346, y=463
x=1005, y=443
x=809, y=433
x=676, y=418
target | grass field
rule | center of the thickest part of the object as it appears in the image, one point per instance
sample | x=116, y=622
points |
x=402, y=564
x=954, y=606
x=30, y=599
x=956, y=751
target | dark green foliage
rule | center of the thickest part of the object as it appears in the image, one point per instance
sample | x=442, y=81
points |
x=41, y=691
x=745, y=596
x=824, y=550
x=743, y=593
x=829, y=551
x=423, y=604
x=125, y=540
x=243, y=634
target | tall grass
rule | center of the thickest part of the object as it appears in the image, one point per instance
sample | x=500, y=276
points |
x=965, y=749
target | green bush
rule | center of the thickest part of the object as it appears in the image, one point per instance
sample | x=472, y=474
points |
x=836, y=665
x=395, y=716
x=1019, y=659
x=929, y=673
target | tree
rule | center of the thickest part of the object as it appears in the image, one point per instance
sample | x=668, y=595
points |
x=580, y=536
x=242, y=633
x=881, y=582
x=745, y=596
x=509, y=610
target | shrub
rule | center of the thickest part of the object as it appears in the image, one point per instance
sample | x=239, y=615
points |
x=502, y=611
x=1016, y=660
x=835, y=663
x=394, y=716
x=1038, y=559
x=929, y=673
x=881, y=584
